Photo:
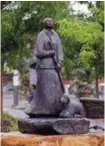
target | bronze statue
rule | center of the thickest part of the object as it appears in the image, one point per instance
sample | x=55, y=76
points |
x=49, y=88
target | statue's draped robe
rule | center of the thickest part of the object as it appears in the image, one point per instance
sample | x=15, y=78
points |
x=48, y=88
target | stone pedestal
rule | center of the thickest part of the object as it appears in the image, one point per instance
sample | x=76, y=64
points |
x=53, y=125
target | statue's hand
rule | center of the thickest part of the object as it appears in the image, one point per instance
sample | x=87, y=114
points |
x=59, y=66
x=52, y=52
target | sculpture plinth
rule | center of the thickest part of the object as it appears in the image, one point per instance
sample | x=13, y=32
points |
x=53, y=125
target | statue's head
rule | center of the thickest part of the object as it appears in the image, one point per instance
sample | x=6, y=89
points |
x=48, y=23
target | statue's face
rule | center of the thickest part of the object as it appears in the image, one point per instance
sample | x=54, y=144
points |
x=48, y=23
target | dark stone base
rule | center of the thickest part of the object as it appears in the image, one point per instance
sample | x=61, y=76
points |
x=53, y=125
x=94, y=107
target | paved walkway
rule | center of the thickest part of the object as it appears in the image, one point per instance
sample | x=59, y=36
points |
x=8, y=101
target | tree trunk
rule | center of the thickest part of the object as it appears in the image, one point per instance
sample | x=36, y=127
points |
x=97, y=91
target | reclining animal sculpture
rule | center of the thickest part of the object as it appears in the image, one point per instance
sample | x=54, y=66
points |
x=72, y=107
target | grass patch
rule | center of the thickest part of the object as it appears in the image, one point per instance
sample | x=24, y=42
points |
x=8, y=123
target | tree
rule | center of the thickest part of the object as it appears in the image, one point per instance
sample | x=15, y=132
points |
x=23, y=20
x=85, y=41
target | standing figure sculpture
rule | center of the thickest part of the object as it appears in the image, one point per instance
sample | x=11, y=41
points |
x=48, y=51
x=50, y=99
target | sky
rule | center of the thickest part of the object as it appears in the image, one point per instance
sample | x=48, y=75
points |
x=80, y=8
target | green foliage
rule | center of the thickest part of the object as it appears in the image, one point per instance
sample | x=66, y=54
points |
x=86, y=56
x=82, y=31
x=84, y=40
x=8, y=123
x=98, y=13
x=7, y=116
x=68, y=67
